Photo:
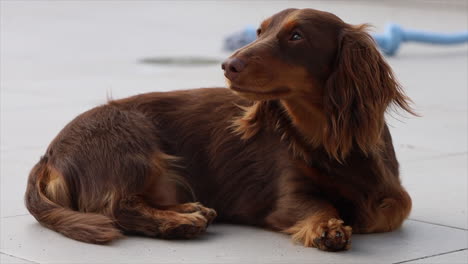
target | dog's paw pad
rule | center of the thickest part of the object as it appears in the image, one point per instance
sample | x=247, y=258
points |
x=334, y=236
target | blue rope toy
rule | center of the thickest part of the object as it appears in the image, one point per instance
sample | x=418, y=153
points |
x=389, y=42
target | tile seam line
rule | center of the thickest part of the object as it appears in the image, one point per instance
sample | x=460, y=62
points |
x=13, y=256
x=11, y=216
x=430, y=256
x=434, y=157
x=429, y=223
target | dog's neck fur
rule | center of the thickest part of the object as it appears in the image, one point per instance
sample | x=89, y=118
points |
x=299, y=125
x=307, y=118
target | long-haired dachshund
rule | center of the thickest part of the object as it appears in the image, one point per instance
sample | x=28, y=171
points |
x=297, y=144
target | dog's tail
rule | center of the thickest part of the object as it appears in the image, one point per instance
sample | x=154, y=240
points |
x=46, y=198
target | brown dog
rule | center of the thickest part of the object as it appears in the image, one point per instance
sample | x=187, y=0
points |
x=303, y=150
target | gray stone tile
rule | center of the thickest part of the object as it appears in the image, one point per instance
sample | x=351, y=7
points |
x=7, y=259
x=14, y=171
x=435, y=78
x=439, y=131
x=23, y=237
x=34, y=128
x=459, y=257
x=438, y=188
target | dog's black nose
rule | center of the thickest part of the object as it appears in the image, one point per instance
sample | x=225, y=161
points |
x=232, y=67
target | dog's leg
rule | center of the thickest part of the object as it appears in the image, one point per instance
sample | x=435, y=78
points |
x=135, y=215
x=315, y=224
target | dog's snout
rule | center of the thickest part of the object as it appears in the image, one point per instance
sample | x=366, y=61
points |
x=232, y=67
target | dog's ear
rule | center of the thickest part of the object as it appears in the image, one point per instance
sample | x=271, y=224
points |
x=357, y=94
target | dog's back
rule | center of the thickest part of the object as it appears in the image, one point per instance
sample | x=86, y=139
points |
x=169, y=148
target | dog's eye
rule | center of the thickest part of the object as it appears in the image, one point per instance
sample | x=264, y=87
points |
x=295, y=36
x=259, y=31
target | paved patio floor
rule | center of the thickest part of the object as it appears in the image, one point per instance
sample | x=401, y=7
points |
x=59, y=59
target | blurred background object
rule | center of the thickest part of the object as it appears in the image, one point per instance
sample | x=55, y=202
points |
x=389, y=41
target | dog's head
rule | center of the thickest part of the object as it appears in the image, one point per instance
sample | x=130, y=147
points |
x=294, y=49
x=306, y=53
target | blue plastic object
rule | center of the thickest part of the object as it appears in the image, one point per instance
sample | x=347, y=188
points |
x=240, y=39
x=389, y=42
x=394, y=35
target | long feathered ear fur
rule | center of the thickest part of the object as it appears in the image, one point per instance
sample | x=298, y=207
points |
x=357, y=95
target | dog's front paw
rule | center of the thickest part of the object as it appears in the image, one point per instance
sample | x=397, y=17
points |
x=333, y=236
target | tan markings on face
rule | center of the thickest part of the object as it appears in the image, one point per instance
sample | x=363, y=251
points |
x=290, y=22
x=264, y=25
x=295, y=77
